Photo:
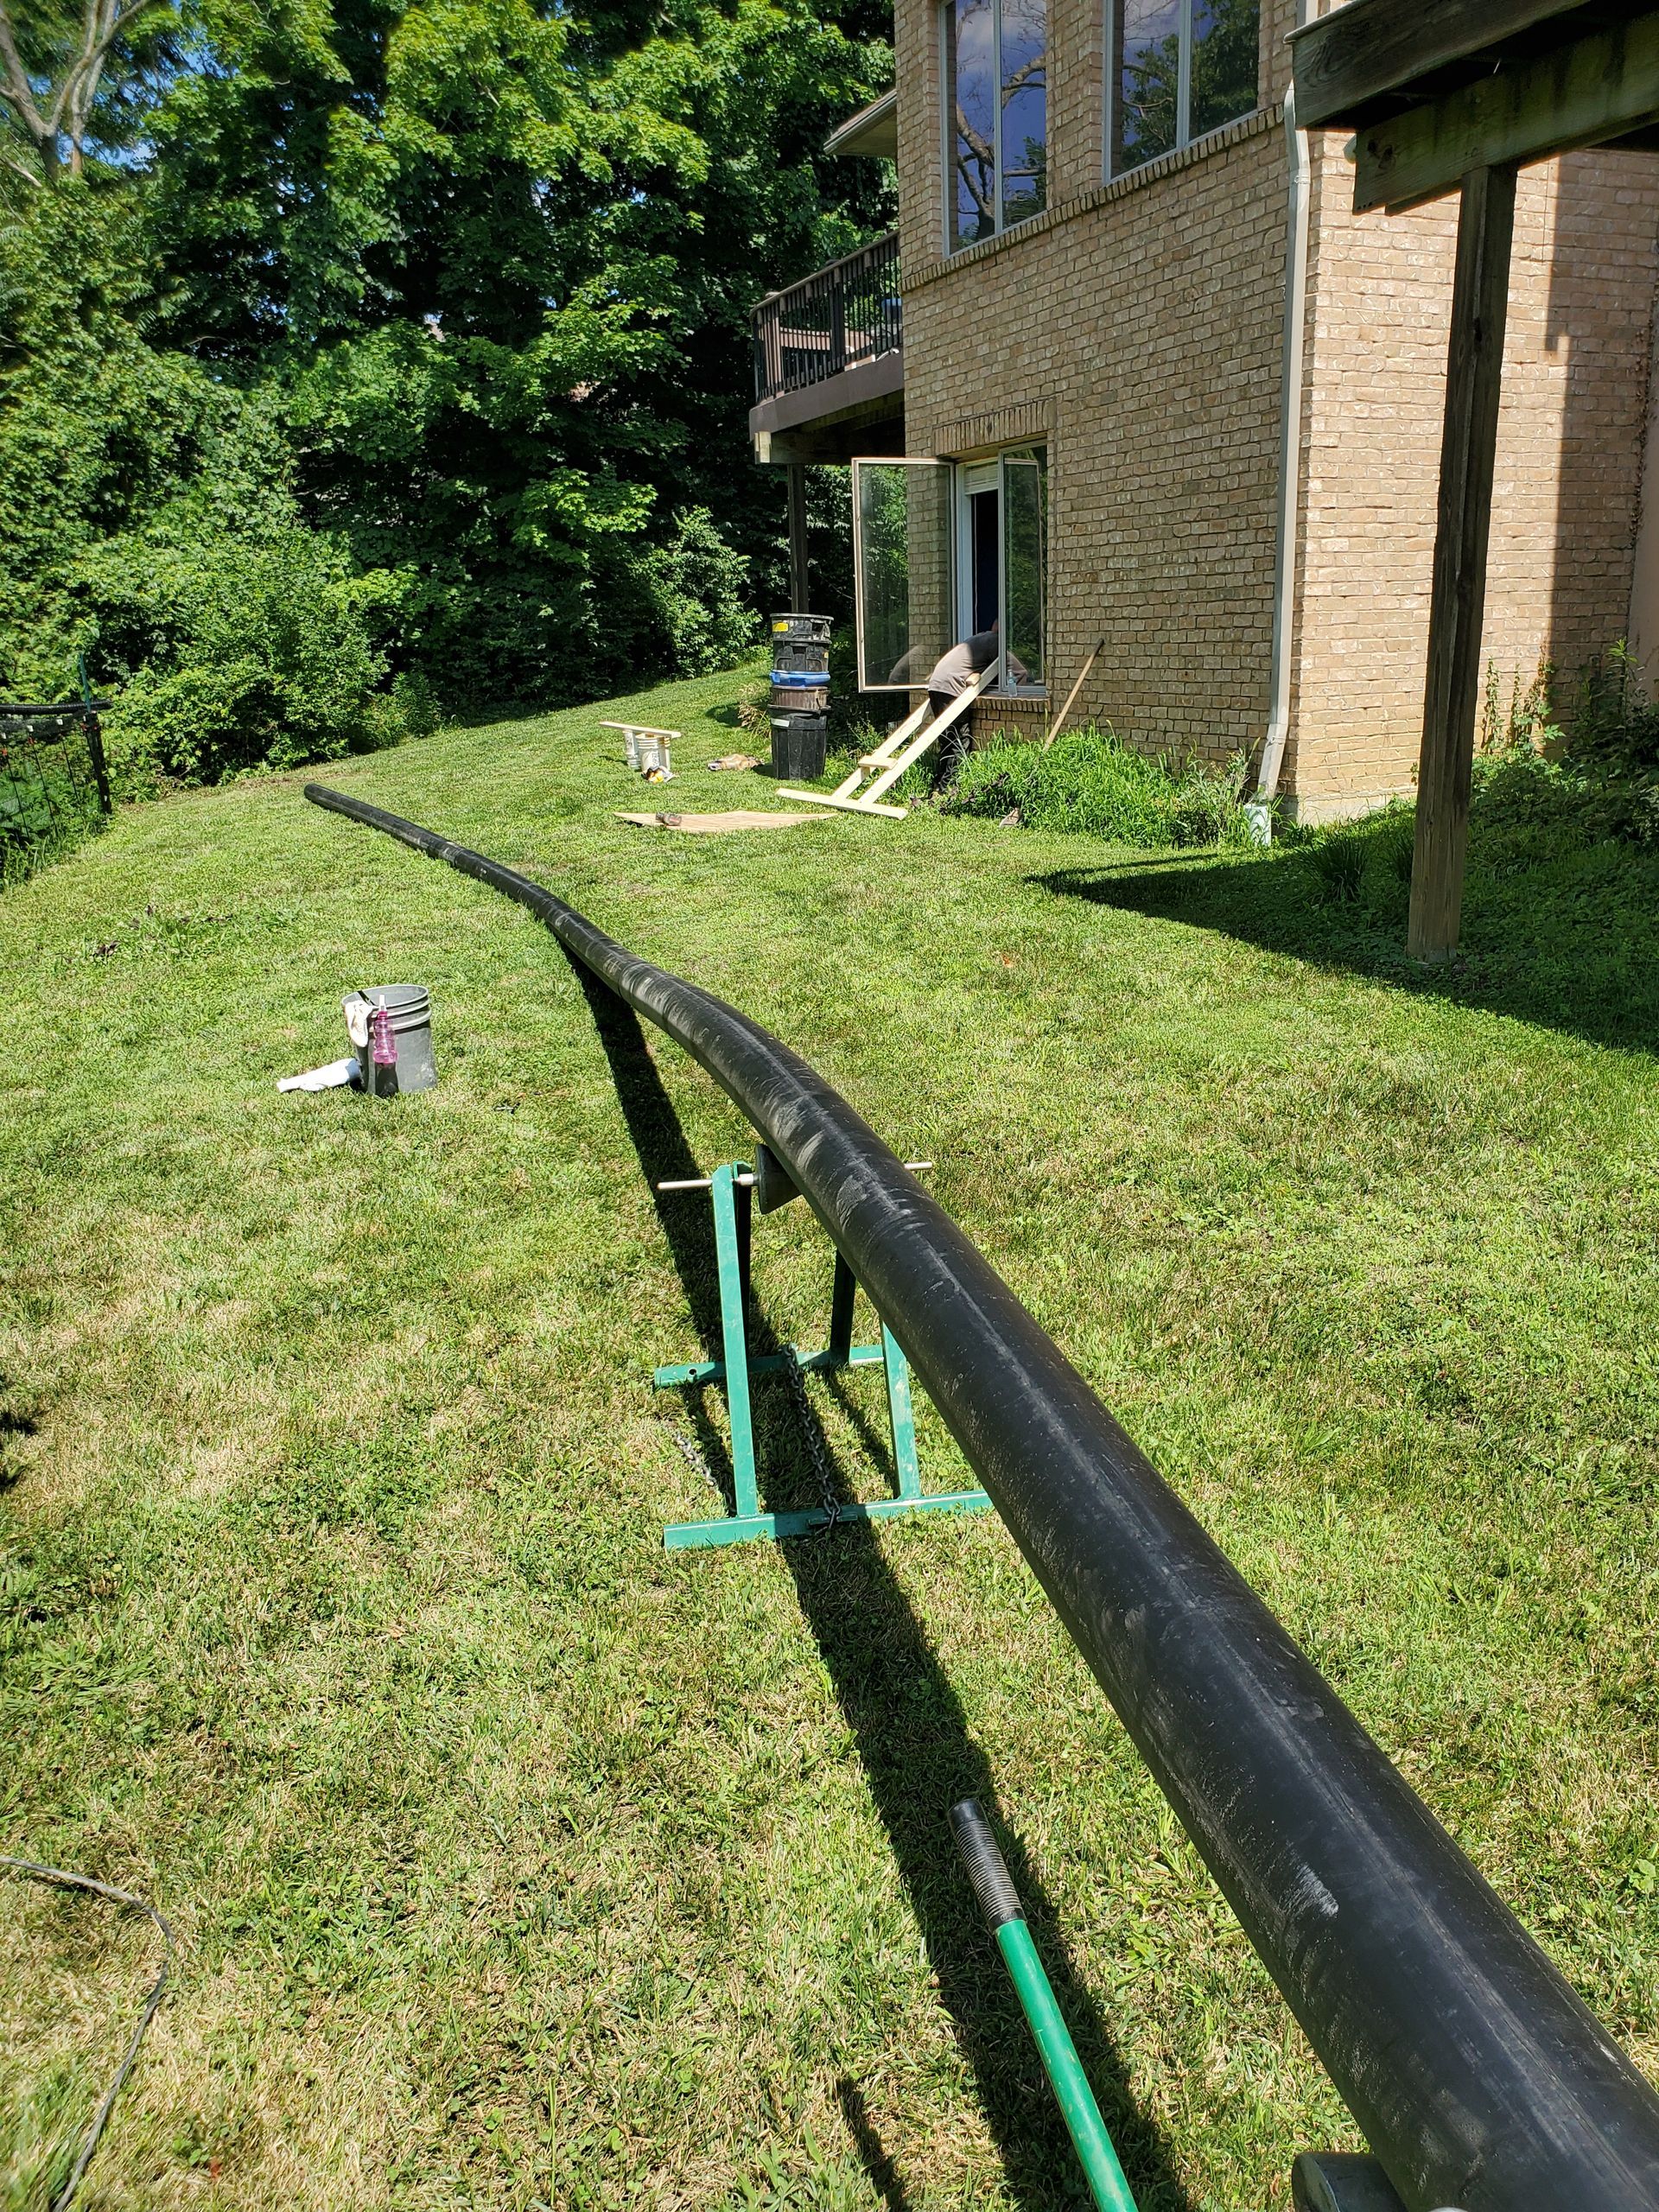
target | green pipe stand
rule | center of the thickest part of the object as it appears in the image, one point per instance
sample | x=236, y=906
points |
x=732, y=1189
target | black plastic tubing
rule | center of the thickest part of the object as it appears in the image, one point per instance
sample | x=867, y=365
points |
x=1479, y=2078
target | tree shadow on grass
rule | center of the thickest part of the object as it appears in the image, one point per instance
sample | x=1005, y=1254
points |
x=913, y=1740
x=1561, y=923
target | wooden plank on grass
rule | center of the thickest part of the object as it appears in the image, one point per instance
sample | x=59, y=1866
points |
x=847, y=806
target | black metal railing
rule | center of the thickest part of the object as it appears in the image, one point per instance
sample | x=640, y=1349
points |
x=836, y=319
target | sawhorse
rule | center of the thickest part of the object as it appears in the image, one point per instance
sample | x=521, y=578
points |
x=896, y=752
x=731, y=1189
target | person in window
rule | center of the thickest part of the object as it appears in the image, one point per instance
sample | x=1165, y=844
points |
x=952, y=673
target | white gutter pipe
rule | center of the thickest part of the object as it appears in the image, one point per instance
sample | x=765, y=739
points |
x=1290, y=446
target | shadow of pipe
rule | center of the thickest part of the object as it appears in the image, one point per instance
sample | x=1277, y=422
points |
x=884, y=2175
x=687, y=1225
x=914, y=1742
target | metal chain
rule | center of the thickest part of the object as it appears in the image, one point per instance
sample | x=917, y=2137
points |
x=811, y=1436
x=813, y=1439
x=694, y=1459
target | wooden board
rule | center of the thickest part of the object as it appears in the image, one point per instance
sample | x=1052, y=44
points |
x=714, y=825
x=1601, y=86
x=848, y=805
x=1366, y=60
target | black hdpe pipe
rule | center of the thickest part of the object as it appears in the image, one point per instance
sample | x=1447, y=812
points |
x=1479, y=2078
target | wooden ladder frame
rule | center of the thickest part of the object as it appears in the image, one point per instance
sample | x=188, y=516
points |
x=893, y=755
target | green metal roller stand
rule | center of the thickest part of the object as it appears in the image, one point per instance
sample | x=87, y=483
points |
x=736, y=1370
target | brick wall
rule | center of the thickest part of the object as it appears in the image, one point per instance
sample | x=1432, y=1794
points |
x=1137, y=327
x=1097, y=329
x=1569, y=454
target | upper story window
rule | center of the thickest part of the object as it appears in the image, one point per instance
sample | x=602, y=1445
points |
x=1176, y=68
x=996, y=107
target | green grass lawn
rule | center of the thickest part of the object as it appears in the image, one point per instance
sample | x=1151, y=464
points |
x=515, y=1863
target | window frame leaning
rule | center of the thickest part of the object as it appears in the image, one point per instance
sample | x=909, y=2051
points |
x=1001, y=221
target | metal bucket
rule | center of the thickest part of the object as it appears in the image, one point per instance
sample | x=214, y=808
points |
x=409, y=1006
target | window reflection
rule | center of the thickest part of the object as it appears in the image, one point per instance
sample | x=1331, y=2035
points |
x=1223, y=61
x=1025, y=109
x=996, y=90
x=1148, y=50
x=1179, y=68
x=972, y=44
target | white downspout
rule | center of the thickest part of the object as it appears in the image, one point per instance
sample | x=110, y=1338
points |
x=1290, y=446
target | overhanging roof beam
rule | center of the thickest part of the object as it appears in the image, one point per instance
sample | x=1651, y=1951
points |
x=1601, y=86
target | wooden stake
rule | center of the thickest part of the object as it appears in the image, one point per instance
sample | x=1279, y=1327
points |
x=1473, y=380
x=1058, y=723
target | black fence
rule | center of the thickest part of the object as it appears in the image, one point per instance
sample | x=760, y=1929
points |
x=54, y=783
x=837, y=319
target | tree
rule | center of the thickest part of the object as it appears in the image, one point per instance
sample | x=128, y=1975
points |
x=52, y=71
x=471, y=280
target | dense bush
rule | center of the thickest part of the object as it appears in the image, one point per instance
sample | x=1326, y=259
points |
x=259, y=654
x=1614, y=749
x=387, y=352
x=1090, y=782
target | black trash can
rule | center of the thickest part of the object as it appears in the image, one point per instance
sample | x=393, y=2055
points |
x=799, y=657
x=799, y=746
x=803, y=629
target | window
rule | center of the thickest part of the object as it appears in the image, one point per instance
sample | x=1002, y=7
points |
x=1178, y=68
x=904, y=567
x=996, y=107
x=944, y=551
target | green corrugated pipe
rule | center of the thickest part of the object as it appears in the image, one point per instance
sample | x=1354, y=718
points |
x=1005, y=1917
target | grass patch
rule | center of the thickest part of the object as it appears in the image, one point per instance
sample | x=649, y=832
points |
x=1090, y=784
x=517, y=1863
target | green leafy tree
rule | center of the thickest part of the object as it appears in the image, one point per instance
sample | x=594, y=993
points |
x=63, y=69
x=458, y=286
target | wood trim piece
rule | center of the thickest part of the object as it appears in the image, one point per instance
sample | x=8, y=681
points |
x=1601, y=86
x=862, y=386
x=1371, y=57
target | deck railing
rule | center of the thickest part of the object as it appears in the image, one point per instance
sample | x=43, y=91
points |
x=833, y=320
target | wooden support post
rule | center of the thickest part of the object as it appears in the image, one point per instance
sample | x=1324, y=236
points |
x=799, y=582
x=1474, y=374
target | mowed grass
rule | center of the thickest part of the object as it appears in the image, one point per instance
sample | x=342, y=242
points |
x=515, y=1863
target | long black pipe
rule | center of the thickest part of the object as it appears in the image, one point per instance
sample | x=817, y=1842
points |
x=1479, y=2078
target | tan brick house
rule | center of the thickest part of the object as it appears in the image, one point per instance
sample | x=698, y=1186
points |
x=1183, y=408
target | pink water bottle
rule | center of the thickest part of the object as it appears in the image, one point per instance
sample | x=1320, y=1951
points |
x=383, y=1043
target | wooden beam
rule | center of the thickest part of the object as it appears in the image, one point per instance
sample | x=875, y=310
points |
x=847, y=806
x=1480, y=296
x=799, y=576
x=1603, y=86
x=1355, y=64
